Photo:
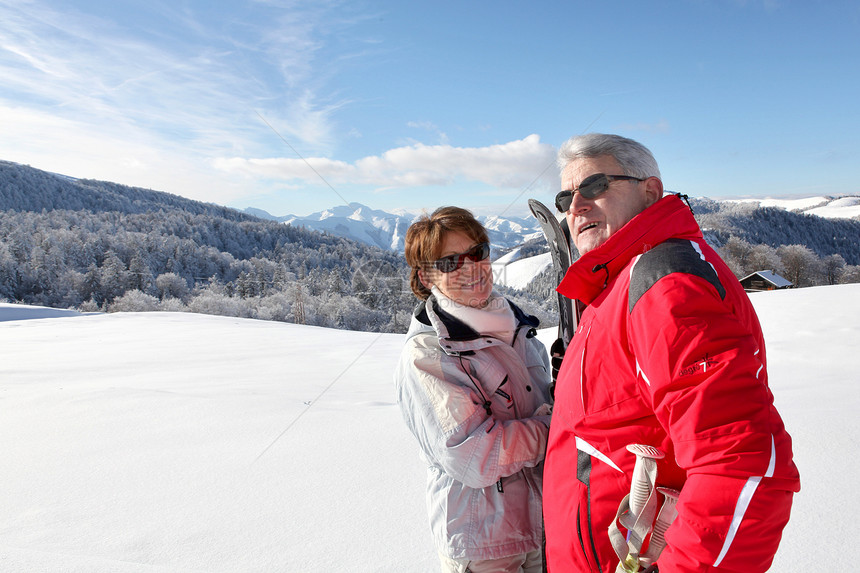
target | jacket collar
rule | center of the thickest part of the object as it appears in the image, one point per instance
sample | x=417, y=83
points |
x=454, y=334
x=589, y=275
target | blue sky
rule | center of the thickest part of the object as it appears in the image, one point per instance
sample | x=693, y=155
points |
x=295, y=106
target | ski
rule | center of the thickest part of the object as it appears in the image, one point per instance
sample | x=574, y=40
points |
x=558, y=237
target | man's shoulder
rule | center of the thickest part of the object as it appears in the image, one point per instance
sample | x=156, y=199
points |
x=670, y=256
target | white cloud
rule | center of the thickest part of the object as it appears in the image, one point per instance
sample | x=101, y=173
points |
x=193, y=88
x=509, y=165
x=122, y=154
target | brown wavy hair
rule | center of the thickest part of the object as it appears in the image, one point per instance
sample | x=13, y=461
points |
x=424, y=240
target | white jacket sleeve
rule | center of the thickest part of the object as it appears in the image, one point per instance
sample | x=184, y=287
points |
x=447, y=414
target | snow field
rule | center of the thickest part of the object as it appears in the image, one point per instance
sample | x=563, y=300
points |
x=176, y=442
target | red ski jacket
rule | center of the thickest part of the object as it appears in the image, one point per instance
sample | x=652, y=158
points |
x=668, y=353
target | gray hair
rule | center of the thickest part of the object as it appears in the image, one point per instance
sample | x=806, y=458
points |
x=633, y=157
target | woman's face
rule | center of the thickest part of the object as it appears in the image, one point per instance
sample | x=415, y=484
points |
x=471, y=284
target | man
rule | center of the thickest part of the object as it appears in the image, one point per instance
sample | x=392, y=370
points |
x=669, y=354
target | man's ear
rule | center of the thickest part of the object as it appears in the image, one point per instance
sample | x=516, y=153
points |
x=653, y=190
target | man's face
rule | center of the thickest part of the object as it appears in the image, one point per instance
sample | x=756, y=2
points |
x=593, y=221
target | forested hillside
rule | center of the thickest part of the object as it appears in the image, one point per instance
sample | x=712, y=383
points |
x=776, y=227
x=101, y=246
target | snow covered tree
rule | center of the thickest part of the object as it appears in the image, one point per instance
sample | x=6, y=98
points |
x=298, y=303
x=763, y=258
x=800, y=264
x=208, y=302
x=8, y=273
x=140, y=277
x=171, y=285
x=134, y=301
x=277, y=306
x=834, y=266
x=114, y=278
x=851, y=274
x=736, y=253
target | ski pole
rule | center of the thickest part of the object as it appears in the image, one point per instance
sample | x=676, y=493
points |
x=668, y=513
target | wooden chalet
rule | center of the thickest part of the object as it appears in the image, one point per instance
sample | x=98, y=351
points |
x=764, y=280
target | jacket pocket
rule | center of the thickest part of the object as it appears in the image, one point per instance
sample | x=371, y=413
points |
x=606, y=375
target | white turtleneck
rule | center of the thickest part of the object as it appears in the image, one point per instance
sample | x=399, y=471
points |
x=495, y=319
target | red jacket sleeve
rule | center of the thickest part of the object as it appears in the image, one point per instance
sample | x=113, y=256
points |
x=702, y=366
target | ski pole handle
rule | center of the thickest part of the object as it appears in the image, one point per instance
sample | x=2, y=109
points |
x=667, y=515
x=644, y=476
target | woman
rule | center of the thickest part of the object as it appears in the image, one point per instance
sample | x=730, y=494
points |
x=473, y=387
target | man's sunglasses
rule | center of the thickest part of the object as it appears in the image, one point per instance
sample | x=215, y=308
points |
x=451, y=263
x=591, y=187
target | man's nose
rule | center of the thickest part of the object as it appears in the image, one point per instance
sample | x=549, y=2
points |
x=579, y=204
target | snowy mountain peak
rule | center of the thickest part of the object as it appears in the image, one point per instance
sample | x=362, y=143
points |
x=842, y=207
x=387, y=230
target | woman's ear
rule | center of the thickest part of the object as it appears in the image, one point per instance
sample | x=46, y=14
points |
x=422, y=276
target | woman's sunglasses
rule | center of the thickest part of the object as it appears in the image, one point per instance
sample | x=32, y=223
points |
x=451, y=263
x=591, y=187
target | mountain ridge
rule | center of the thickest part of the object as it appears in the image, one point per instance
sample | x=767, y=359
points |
x=387, y=230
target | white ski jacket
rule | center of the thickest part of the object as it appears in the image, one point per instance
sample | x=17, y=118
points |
x=470, y=400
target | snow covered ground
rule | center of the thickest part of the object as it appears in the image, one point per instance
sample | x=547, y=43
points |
x=844, y=207
x=170, y=442
x=847, y=207
x=515, y=272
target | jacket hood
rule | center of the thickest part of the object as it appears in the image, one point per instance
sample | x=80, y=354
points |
x=589, y=275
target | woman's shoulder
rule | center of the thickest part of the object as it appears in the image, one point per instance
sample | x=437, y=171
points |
x=423, y=342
